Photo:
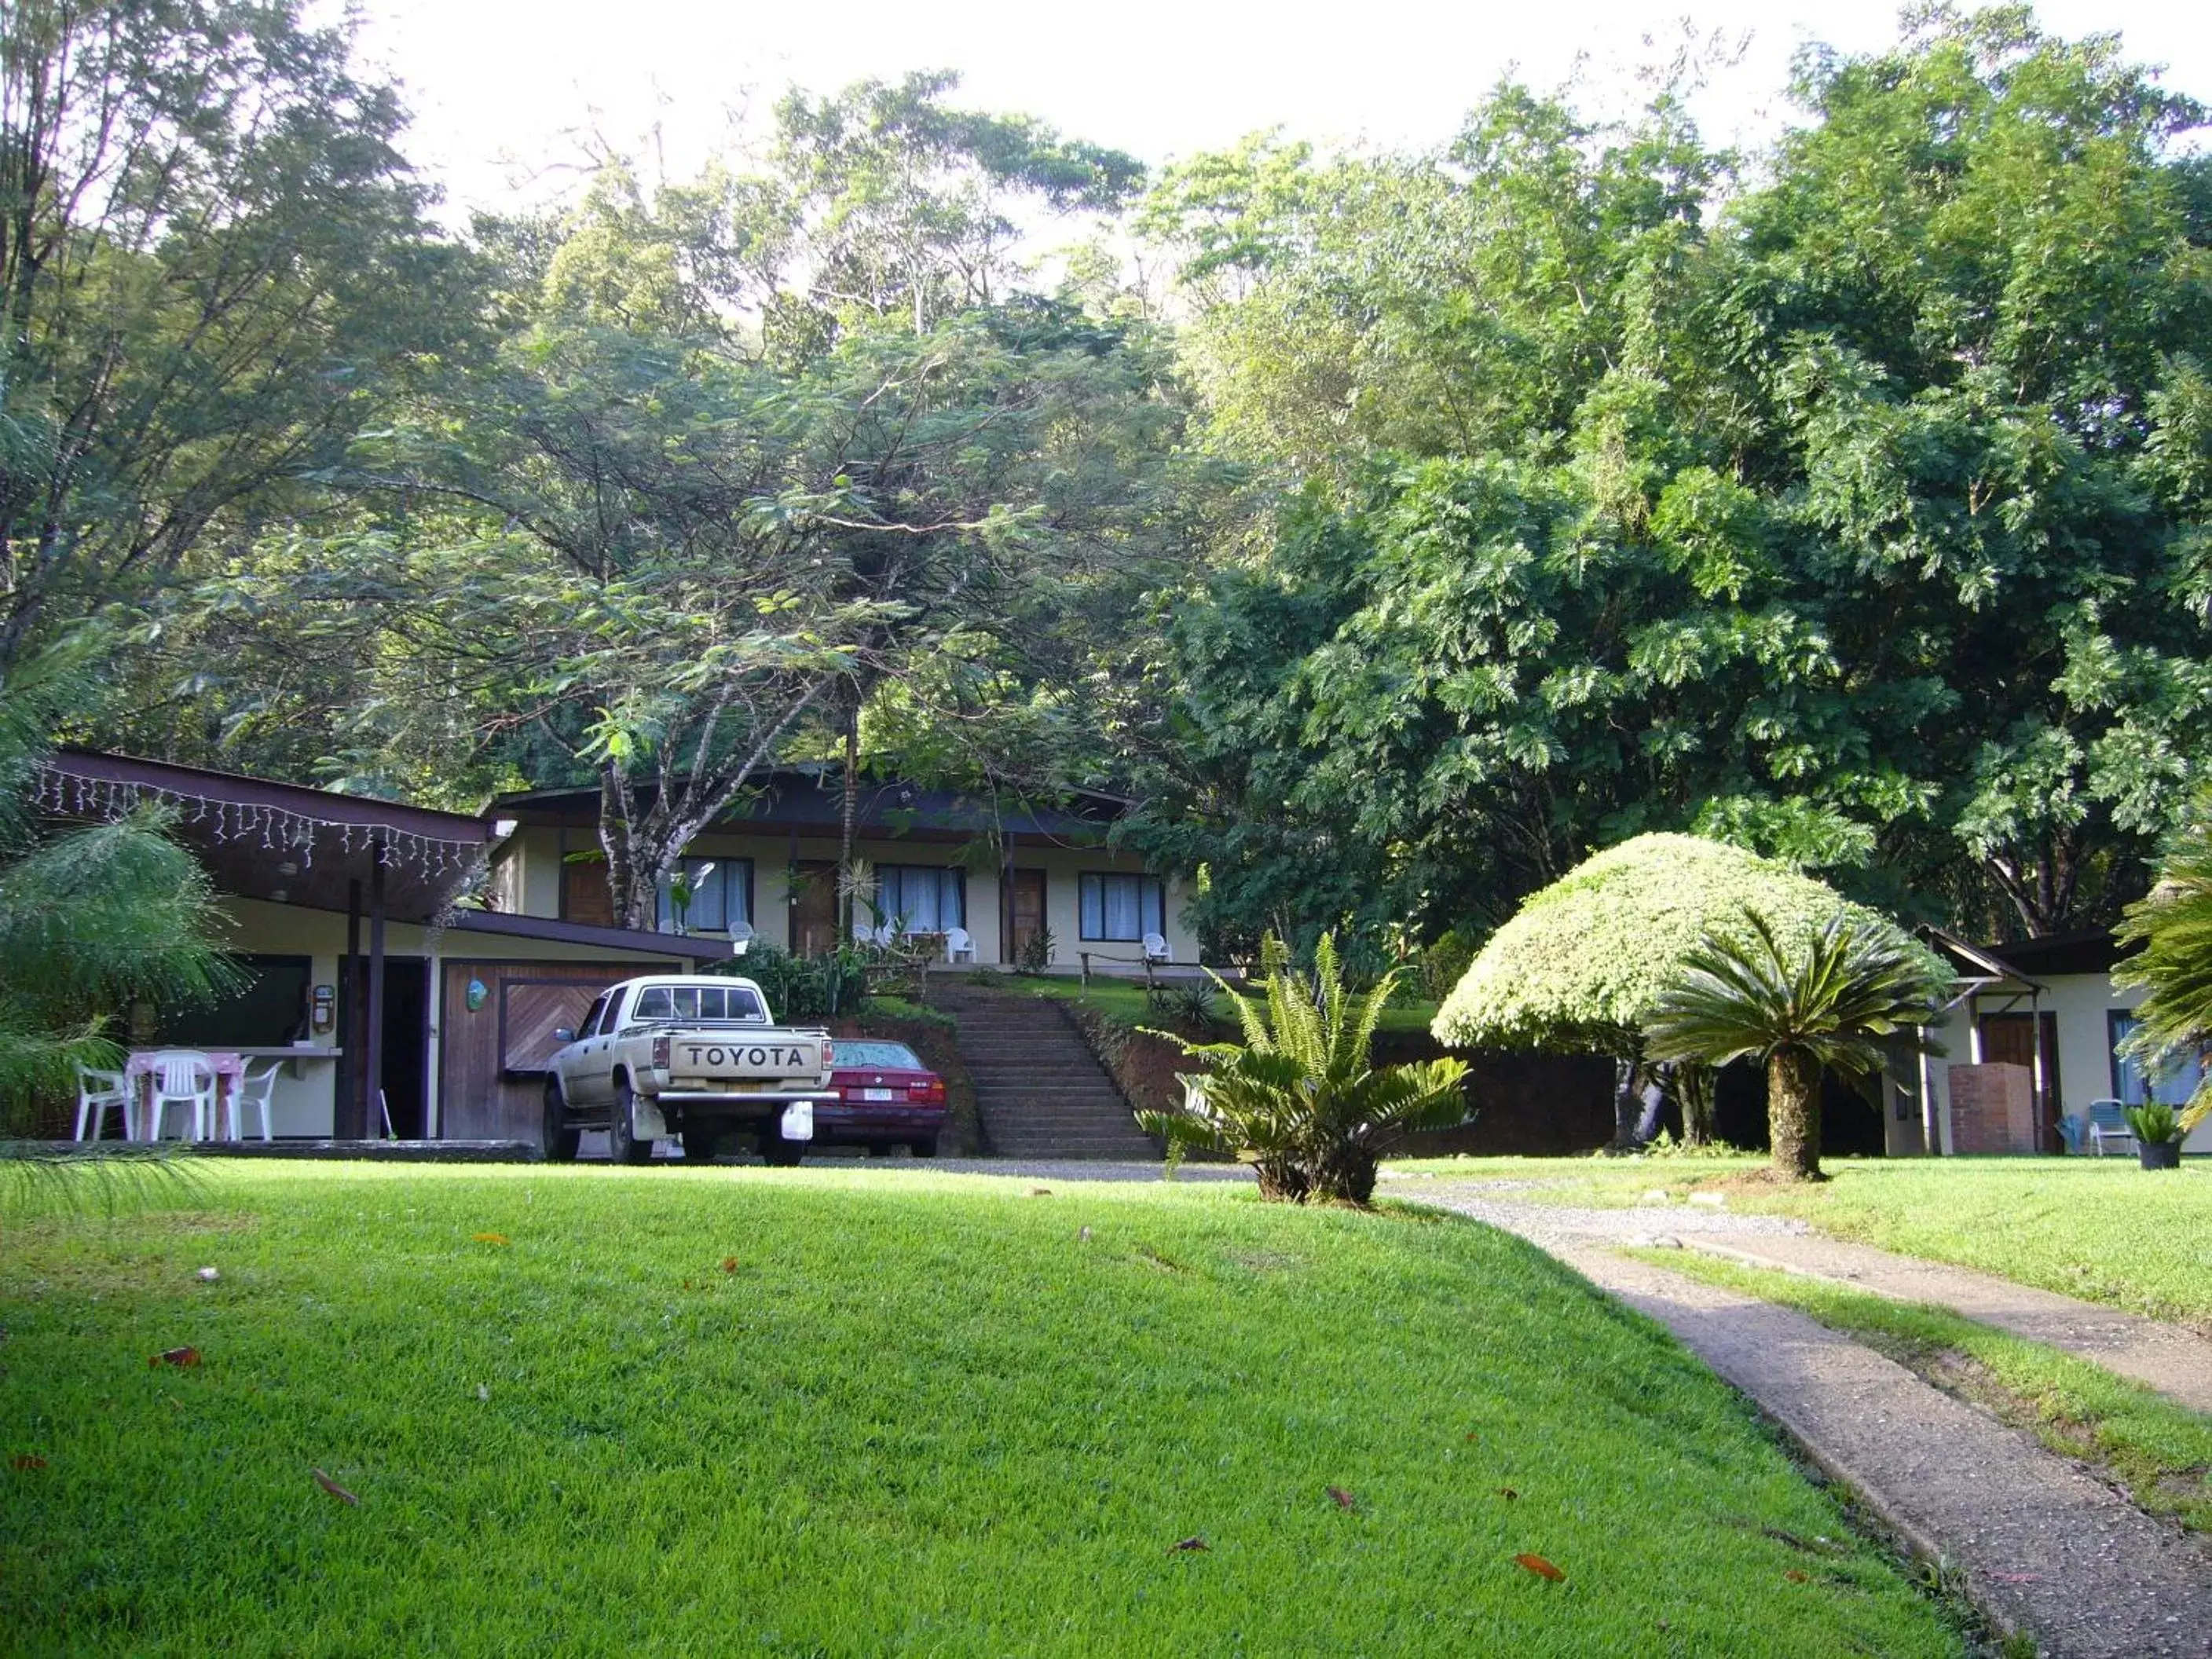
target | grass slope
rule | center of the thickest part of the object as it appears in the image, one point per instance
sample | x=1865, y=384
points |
x=782, y=1412
x=2101, y=1229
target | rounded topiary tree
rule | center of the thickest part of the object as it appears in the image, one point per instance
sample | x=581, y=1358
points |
x=1582, y=966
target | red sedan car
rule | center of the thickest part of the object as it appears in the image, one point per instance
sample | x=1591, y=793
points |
x=885, y=1097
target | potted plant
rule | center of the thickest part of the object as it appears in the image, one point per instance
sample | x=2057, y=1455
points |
x=2158, y=1136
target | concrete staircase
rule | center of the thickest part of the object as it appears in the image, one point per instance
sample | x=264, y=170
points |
x=1039, y=1089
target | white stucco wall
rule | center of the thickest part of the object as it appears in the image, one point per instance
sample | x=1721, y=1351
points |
x=2082, y=1004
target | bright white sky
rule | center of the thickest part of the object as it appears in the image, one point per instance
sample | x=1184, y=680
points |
x=497, y=85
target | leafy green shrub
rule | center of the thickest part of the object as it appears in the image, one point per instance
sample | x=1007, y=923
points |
x=1444, y=963
x=803, y=987
x=2155, y=1124
x=1036, y=954
x=1187, y=1004
x=1297, y=1099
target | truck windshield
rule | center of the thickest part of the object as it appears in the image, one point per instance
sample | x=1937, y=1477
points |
x=726, y=1003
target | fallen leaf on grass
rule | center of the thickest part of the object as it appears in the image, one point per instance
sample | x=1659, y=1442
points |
x=1797, y=1577
x=1473, y=1436
x=332, y=1487
x=1194, y=1542
x=1083, y=1233
x=729, y=1264
x=491, y=1238
x=175, y=1357
x=27, y=1460
x=1540, y=1567
x=1040, y=1192
x=1342, y=1500
x=483, y=1390
x=208, y=1275
x=1507, y=1494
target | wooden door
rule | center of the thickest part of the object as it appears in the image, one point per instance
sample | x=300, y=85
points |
x=813, y=908
x=491, y=1073
x=2010, y=1038
x=1025, y=910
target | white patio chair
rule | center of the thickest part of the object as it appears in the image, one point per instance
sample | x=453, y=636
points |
x=959, y=945
x=182, y=1078
x=253, y=1090
x=2108, y=1122
x=97, y=1092
x=1156, y=949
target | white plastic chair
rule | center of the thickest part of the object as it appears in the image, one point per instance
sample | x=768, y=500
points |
x=253, y=1090
x=182, y=1078
x=959, y=945
x=2108, y=1122
x=97, y=1092
x=1156, y=949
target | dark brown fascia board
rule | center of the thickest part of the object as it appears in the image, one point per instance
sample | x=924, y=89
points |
x=583, y=932
x=327, y=806
x=538, y=818
x=1982, y=958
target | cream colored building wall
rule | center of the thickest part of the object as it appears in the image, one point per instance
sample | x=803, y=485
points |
x=2083, y=1004
x=306, y=1105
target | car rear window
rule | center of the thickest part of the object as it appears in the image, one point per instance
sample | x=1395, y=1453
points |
x=704, y=1003
x=883, y=1056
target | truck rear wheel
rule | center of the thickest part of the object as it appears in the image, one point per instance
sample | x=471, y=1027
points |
x=556, y=1139
x=623, y=1143
x=775, y=1150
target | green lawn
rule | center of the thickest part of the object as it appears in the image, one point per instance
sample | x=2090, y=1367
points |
x=717, y=1411
x=1123, y=999
x=2097, y=1228
x=2159, y=1451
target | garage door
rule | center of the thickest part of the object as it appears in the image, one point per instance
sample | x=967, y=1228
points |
x=492, y=1057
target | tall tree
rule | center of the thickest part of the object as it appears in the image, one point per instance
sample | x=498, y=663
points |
x=211, y=254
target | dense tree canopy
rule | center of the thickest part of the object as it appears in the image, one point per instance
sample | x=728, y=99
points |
x=1856, y=515
x=1458, y=513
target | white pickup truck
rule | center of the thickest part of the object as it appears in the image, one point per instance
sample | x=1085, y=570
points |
x=690, y=1055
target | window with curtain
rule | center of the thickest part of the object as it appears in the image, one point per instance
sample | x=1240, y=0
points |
x=1122, y=907
x=2172, y=1081
x=722, y=896
x=918, y=899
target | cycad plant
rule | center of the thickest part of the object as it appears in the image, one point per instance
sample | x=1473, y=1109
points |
x=2173, y=927
x=1831, y=1002
x=1297, y=1098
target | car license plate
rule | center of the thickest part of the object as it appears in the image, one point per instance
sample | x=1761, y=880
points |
x=799, y=1120
x=878, y=1094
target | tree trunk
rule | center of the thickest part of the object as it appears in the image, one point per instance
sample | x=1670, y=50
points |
x=1793, y=1114
x=1344, y=1175
x=849, y=825
x=1693, y=1093
x=1282, y=1179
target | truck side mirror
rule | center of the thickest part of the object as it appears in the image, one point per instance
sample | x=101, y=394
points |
x=562, y=1034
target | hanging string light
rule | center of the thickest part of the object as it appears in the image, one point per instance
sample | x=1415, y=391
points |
x=63, y=793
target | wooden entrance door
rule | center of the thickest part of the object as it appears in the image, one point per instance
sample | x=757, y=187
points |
x=1024, y=909
x=813, y=908
x=2010, y=1038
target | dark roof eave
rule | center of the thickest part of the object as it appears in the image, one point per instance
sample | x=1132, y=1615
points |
x=497, y=922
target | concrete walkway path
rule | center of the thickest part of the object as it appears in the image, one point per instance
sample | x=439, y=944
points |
x=2045, y=1547
x=2176, y=1362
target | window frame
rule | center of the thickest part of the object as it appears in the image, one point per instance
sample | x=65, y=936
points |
x=2119, y=1022
x=940, y=872
x=1089, y=882
x=726, y=867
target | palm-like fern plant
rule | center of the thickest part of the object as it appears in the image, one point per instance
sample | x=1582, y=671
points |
x=2173, y=926
x=1831, y=1004
x=1297, y=1098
